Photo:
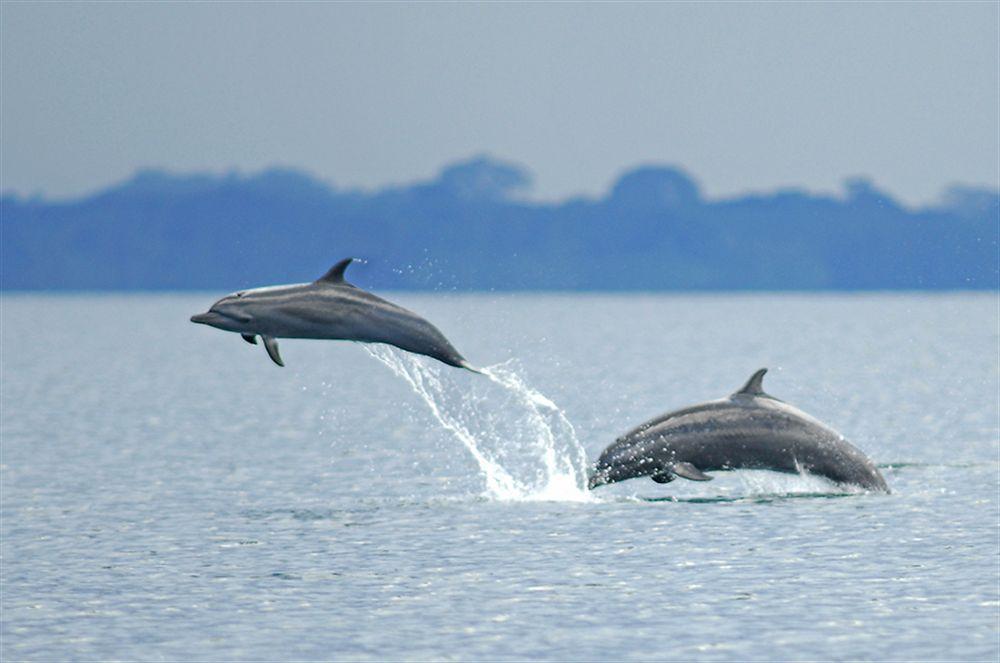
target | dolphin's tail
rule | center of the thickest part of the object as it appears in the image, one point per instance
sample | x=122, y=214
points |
x=469, y=367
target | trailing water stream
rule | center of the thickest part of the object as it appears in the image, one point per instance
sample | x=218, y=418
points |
x=524, y=445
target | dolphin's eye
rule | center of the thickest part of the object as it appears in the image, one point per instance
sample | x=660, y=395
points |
x=239, y=294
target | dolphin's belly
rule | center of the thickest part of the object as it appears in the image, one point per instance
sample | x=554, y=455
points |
x=780, y=451
x=326, y=314
x=773, y=445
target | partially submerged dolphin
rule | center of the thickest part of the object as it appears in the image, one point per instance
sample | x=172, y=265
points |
x=748, y=430
x=328, y=308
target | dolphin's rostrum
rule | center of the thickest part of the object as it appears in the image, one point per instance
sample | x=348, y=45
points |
x=328, y=308
x=748, y=430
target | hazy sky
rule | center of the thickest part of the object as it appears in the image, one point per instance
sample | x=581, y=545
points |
x=745, y=96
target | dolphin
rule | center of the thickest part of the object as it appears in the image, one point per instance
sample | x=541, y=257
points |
x=748, y=430
x=328, y=308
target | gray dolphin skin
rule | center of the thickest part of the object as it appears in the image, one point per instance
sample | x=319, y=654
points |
x=328, y=308
x=748, y=430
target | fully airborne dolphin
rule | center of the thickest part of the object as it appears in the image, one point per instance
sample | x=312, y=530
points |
x=328, y=308
x=748, y=430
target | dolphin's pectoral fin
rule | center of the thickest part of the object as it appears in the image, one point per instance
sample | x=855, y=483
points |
x=663, y=477
x=271, y=345
x=689, y=471
x=249, y=338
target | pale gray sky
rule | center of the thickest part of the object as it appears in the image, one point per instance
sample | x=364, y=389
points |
x=745, y=96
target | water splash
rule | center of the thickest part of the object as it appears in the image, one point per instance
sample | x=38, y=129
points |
x=763, y=483
x=524, y=445
x=751, y=486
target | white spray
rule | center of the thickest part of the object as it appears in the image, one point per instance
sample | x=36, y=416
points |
x=524, y=445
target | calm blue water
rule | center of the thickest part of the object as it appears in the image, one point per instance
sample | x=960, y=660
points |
x=169, y=494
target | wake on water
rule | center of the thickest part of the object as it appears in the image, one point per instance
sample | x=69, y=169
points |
x=526, y=448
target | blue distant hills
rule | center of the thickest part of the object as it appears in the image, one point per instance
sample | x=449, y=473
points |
x=470, y=229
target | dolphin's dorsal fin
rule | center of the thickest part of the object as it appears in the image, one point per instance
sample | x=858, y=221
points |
x=336, y=273
x=755, y=385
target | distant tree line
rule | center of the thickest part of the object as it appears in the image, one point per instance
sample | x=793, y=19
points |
x=470, y=230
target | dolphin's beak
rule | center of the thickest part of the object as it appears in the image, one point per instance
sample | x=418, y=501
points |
x=205, y=318
x=596, y=479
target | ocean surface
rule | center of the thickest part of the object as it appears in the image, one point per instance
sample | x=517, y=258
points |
x=170, y=494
